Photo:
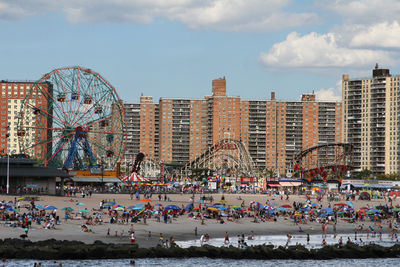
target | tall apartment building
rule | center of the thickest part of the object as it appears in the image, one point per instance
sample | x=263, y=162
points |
x=273, y=131
x=371, y=120
x=12, y=95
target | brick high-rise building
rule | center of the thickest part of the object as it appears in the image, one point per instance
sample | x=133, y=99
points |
x=273, y=131
x=12, y=95
x=371, y=109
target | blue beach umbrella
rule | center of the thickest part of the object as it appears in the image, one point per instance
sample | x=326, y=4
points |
x=282, y=209
x=79, y=204
x=50, y=208
x=351, y=205
x=172, y=207
x=39, y=207
x=327, y=210
x=222, y=208
x=109, y=204
x=11, y=209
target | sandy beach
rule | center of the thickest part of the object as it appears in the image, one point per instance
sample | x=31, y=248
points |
x=181, y=228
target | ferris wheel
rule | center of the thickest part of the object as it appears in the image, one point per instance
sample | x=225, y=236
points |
x=72, y=118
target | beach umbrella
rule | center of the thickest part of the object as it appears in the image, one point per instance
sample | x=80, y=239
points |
x=137, y=208
x=350, y=204
x=236, y=207
x=327, y=210
x=223, y=208
x=109, y=204
x=130, y=207
x=11, y=210
x=396, y=209
x=84, y=210
x=304, y=209
x=314, y=204
x=212, y=209
x=159, y=205
x=39, y=207
x=50, y=208
x=307, y=205
x=67, y=209
x=79, y=204
x=189, y=207
x=286, y=206
x=282, y=209
x=172, y=207
x=268, y=208
x=20, y=198
x=147, y=200
x=139, y=205
x=341, y=204
x=196, y=209
x=273, y=204
x=374, y=210
x=119, y=208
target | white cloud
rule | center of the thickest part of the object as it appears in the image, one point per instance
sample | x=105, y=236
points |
x=320, y=51
x=17, y=9
x=330, y=94
x=226, y=15
x=380, y=35
x=366, y=12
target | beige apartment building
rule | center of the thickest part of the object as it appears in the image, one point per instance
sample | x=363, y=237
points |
x=273, y=131
x=371, y=120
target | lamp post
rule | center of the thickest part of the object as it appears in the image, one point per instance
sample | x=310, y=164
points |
x=8, y=173
x=8, y=160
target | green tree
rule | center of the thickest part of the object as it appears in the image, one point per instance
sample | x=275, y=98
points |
x=364, y=174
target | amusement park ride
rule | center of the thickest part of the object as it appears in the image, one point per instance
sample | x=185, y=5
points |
x=72, y=118
x=324, y=162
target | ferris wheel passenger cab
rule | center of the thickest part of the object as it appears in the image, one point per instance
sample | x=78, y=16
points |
x=87, y=100
x=74, y=96
x=61, y=98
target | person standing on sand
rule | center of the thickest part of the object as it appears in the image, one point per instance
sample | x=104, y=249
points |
x=161, y=241
x=308, y=239
x=226, y=242
x=334, y=231
x=202, y=237
x=195, y=231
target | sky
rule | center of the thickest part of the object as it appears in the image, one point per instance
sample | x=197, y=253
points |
x=175, y=48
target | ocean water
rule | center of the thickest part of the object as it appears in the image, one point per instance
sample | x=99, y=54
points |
x=281, y=240
x=210, y=262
